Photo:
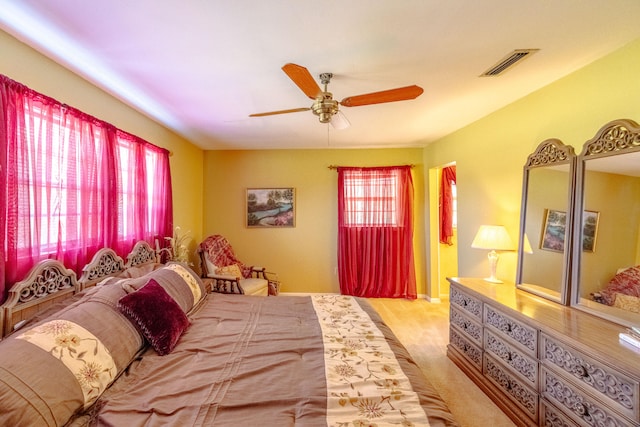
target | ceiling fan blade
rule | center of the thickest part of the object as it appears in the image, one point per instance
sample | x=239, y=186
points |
x=273, y=113
x=391, y=95
x=339, y=121
x=303, y=79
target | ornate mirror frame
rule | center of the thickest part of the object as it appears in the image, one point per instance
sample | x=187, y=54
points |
x=608, y=258
x=556, y=160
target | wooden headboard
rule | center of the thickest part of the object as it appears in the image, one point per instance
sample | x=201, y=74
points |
x=105, y=263
x=50, y=282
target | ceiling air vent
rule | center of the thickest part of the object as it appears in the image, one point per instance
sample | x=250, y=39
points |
x=509, y=61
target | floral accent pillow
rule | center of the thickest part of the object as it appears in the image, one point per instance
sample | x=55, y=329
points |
x=80, y=351
x=230, y=270
x=189, y=279
x=157, y=314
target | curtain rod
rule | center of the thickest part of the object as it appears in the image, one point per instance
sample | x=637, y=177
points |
x=336, y=166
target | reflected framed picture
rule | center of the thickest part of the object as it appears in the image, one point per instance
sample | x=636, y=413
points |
x=555, y=225
x=271, y=207
x=589, y=230
x=553, y=232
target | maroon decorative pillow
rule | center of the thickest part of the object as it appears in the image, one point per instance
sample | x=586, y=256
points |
x=158, y=316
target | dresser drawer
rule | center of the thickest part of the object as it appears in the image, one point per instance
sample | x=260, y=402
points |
x=523, y=365
x=577, y=404
x=522, y=335
x=512, y=386
x=471, y=352
x=466, y=325
x=466, y=302
x=619, y=391
x=552, y=417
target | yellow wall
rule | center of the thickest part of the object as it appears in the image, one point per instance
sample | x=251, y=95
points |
x=490, y=153
x=209, y=186
x=617, y=199
x=448, y=264
x=304, y=257
x=24, y=65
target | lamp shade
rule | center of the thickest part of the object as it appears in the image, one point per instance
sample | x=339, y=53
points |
x=493, y=237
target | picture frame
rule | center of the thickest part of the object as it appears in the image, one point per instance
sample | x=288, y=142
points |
x=590, y=221
x=270, y=207
x=554, y=230
x=555, y=224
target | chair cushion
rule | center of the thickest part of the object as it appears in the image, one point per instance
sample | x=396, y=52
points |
x=254, y=286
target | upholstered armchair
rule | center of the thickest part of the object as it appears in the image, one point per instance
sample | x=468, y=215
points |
x=229, y=274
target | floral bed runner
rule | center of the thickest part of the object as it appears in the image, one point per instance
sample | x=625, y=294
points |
x=361, y=370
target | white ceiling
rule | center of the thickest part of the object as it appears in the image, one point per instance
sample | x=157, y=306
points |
x=201, y=67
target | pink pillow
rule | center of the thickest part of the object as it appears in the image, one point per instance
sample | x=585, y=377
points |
x=158, y=316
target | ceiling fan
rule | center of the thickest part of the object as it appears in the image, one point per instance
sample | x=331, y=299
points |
x=325, y=107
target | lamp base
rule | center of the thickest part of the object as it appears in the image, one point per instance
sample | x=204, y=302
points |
x=493, y=264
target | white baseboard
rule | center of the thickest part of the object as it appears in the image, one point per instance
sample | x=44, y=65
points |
x=431, y=300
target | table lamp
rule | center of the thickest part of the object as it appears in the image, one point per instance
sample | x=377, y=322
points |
x=495, y=238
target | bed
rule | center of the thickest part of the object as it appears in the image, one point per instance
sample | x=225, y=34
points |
x=622, y=291
x=146, y=344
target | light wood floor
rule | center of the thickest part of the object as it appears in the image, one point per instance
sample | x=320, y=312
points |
x=423, y=328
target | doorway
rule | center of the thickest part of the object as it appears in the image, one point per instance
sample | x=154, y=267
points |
x=443, y=259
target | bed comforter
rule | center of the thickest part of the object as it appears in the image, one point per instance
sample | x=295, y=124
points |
x=262, y=361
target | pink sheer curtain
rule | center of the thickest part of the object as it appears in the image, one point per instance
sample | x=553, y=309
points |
x=375, y=232
x=145, y=185
x=62, y=179
x=446, y=204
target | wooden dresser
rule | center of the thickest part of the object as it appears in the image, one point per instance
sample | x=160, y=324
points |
x=543, y=363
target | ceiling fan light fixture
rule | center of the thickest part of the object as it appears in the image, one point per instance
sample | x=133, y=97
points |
x=325, y=107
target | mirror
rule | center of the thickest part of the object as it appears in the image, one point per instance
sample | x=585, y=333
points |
x=546, y=221
x=606, y=276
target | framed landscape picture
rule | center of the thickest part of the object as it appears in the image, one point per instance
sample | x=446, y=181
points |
x=553, y=233
x=270, y=207
x=589, y=230
x=555, y=224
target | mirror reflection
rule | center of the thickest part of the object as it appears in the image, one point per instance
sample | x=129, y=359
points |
x=608, y=238
x=545, y=220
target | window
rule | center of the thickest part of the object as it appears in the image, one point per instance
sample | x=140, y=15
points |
x=371, y=198
x=53, y=184
x=72, y=184
x=375, y=232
